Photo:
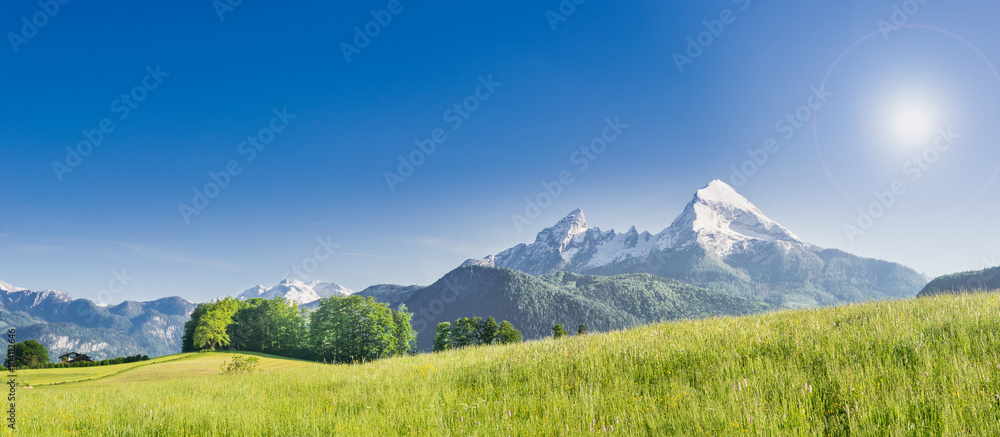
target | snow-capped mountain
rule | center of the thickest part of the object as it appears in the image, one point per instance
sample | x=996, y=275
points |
x=721, y=219
x=720, y=241
x=30, y=298
x=297, y=291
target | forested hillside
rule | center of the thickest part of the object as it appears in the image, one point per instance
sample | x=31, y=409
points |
x=535, y=304
x=986, y=279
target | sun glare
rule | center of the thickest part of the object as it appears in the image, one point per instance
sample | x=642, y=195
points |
x=912, y=123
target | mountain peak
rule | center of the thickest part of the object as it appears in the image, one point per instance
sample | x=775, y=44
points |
x=575, y=217
x=563, y=232
x=296, y=290
x=7, y=287
x=720, y=218
x=718, y=192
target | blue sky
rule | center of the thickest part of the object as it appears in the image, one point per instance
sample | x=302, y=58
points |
x=315, y=198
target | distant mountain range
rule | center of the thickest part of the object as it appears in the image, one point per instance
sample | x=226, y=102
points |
x=64, y=324
x=978, y=280
x=721, y=256
x=294, y=290
x=308, y=294
x=722, y=242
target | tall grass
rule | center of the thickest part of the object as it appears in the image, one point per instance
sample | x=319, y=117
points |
x=916, y=367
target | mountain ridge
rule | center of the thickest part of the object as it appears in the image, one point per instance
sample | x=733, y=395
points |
x=298, y=291
x=720, y=241
x=962, y=282
x=65, y=324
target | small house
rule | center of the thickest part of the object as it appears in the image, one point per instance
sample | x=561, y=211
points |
x=74, y=357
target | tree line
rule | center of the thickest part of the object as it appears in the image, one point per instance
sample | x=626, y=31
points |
x=474, y=331
x=107, y=362
x=559, y=332
x=33, y=355
x=343, y=329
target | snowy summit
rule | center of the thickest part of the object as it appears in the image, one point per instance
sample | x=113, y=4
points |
x=718, y=219
x=298, y=291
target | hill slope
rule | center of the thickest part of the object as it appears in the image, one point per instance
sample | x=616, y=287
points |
x=535, y=304
x=389, y=294
x=915, y=367
x=986, y=279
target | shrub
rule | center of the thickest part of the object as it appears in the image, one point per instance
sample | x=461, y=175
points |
x=240, y=364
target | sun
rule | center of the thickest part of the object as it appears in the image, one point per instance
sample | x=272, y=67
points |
x=912, y=123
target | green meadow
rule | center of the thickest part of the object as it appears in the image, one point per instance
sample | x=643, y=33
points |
x=920, y=367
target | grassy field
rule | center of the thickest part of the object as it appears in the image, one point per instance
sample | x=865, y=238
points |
x=79, y=374
x=923, y=367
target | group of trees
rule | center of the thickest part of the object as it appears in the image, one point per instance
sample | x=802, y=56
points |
x=559, y=332
x=360, y=329
x=107, y=362
x=28, y=354
x=474, y=331
x=342, y=329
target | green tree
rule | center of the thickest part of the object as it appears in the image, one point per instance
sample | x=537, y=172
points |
x=507, y=334
x=487, y=332
x=37, y=353
x=30, y=353
x=352, y=328
x=558, y=331
x=211, y=330
x=187, y=339
x=406, y=337
x=274, y=326
x=463, y=332
x=442, y=336
x=581, y=330
x=208, y=325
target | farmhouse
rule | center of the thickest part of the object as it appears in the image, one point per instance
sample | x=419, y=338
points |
x=74, y=357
